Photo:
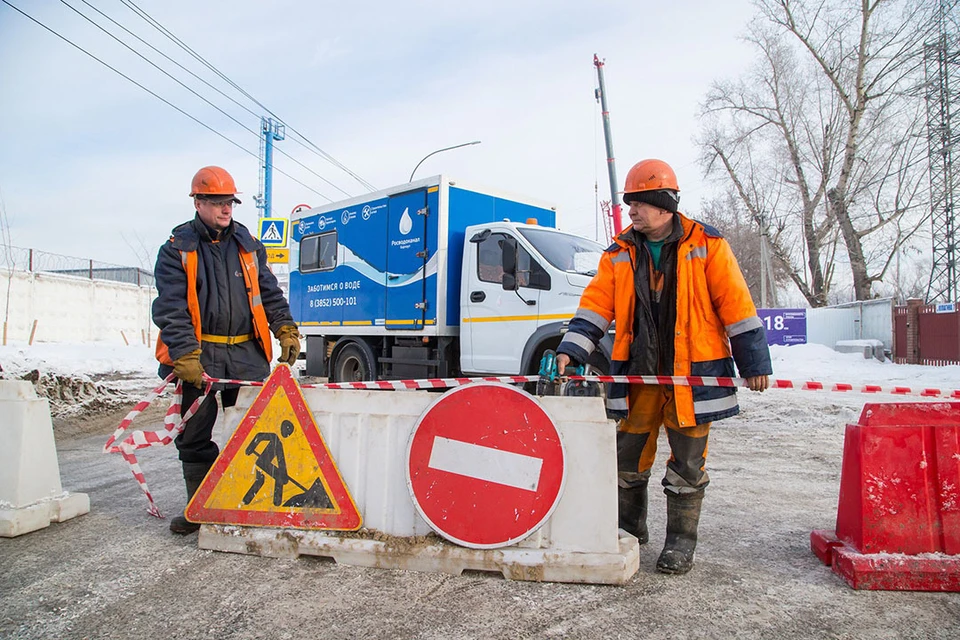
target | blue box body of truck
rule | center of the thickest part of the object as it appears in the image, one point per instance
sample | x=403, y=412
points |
x=390, y=261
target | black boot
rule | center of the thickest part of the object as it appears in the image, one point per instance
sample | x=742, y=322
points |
x=683, y=516
x=633, y=511
x=193, y=475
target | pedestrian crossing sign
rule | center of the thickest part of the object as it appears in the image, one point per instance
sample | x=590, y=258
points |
x=276, y=469
x=274, y=231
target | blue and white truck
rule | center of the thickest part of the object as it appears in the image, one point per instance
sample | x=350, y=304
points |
x=434, y=278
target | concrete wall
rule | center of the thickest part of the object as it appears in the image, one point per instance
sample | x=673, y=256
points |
x=74, y=309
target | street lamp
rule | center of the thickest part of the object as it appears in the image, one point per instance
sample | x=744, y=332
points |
x=456, y=146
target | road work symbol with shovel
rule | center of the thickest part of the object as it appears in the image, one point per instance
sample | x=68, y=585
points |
x=270, y=461
x=275, y=470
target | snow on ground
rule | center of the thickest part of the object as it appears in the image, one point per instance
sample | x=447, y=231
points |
x=821, y=363
x=82, y=378
x=92, y=359
x=775, y=471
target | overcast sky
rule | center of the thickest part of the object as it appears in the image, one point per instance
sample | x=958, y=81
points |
x=93, y=166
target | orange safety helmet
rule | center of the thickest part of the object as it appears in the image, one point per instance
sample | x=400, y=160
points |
x=213, y=181
x=650, y=175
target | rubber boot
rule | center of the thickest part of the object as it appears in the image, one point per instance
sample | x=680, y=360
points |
x=633, y=511
x=683, y=516
x=193, y=475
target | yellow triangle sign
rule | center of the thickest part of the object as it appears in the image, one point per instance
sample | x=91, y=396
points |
x=276, y=469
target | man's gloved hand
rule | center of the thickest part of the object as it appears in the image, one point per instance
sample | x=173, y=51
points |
x=188, y=368
x=289, y=339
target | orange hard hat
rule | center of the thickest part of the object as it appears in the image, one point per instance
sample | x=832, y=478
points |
x=213, y=181
x=650, y=175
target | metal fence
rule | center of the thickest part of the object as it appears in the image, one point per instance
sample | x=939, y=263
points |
x=927, y=334
x=32, y=260
x=852, y=321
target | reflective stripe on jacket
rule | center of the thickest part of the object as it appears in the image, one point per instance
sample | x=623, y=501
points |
x=220, y=286
x=715, y=319
x=261, y=328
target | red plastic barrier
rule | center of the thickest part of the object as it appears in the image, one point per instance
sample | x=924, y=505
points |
x=899, y=496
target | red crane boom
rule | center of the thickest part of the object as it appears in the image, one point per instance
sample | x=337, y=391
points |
x=613, y=212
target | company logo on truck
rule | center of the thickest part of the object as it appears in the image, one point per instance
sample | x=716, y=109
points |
x=405, y=226
x=406, y=222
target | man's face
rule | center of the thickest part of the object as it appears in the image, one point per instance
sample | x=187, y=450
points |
x=651, y=221
x=216, y=213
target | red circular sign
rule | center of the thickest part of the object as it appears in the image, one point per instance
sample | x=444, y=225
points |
x=299, y=208
x=485, y=465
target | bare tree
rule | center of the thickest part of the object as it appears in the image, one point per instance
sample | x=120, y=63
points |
x=145, y=258
x=822, y=139
x=742, y=231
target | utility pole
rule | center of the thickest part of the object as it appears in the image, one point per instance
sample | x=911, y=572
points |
x=942, y=74
x=763, y=263
x=601, y=95
x=767, y=280
x=270, y=131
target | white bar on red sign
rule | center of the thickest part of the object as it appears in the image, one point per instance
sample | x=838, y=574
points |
x=486, y=463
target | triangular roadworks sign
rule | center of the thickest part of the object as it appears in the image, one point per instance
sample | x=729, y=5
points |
x=276, y=470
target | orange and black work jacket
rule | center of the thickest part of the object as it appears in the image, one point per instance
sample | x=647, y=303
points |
x=704, y=316
x=217, y=285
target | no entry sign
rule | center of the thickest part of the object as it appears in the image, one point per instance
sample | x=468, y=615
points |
x=485, y=465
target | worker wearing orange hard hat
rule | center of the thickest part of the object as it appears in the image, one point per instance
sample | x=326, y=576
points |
x=682, y=308
x=216, y=306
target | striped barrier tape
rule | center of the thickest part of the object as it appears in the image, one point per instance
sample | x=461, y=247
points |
x=683, y=381
x=172, y=426
x=173, y=423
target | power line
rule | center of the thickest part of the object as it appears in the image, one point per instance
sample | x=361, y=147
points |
x=161, y=99
x=169, y=75
x=166, y=32
x=196, y=77
x=169, y=59
x=204, y=81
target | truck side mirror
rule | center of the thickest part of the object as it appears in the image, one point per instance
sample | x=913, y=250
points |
x=508, y=260
x=480, y=236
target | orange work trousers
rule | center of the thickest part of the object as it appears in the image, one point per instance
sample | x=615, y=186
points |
x=650, y=407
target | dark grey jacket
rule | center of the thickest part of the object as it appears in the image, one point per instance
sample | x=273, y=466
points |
x=222, y=293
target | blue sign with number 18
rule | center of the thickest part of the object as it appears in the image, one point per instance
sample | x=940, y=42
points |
x=784, y=326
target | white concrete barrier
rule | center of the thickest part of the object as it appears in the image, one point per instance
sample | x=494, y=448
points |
x=31, y=496
x=870, y=348
x=367, y=433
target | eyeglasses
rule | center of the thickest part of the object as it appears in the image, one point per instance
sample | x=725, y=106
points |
x=220, y=202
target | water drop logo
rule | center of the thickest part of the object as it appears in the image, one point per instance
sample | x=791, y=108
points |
x=406, y=222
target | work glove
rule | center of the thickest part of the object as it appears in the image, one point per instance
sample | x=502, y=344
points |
x=289, y=339
x=188, y=368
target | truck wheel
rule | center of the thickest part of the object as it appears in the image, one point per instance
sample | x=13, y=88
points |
x=354, y=364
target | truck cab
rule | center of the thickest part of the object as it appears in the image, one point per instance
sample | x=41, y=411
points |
x=520, y=283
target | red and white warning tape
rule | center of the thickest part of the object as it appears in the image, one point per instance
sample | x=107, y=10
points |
x=172, y=426
x=683, y=381
x=173, y=423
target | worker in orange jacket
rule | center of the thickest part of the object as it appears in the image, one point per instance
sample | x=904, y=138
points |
x=681, y=307
x=217, y=304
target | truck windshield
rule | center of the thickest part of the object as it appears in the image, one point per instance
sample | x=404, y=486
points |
x=564, y=251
